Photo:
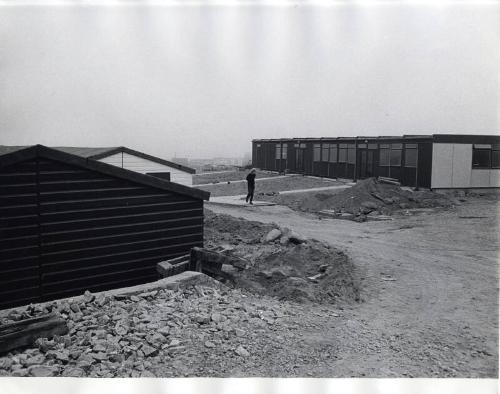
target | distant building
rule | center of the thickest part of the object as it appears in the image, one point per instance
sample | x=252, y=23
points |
x=136, y=161
x=439, y=161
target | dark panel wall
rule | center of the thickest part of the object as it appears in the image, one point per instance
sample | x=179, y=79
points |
x=19, y=271
x=97, y=232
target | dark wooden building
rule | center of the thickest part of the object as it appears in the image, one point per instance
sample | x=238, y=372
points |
x=430, y=161
x=68, y=224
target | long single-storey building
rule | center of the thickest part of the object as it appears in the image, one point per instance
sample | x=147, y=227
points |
x=438, y=161
x=134, y=160
x=68, y=224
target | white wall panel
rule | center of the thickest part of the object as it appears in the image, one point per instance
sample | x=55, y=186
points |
x=442, y=165
x=138, y=164
x=495, y=178
x=480, y=178
x=462, y=165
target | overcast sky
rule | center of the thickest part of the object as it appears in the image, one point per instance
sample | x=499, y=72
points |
x=203, y=81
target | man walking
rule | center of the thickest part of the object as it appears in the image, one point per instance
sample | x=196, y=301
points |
x=251, y=185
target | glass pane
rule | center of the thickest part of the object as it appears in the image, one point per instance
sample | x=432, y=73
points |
x=342, y=145
x=284, y=151
x=410, y=157
x=317, y=152
x=482, y=146
x=385, y=155
x=351, y=156
x=411, y=146
x=372, y=146
x=342, y=155
x=324, y=153
x=397, y=146
x=395, y=157
x=481, y=158
x=383, y=146
x=495, y=159
x=362, y=145
x=333, y=153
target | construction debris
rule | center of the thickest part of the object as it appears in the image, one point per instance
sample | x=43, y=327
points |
x=25, y=332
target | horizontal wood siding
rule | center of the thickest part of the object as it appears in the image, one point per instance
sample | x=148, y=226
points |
x=68, y=230
x=19, y=265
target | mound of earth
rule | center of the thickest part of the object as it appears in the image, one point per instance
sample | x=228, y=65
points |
x=368, y=196
x=269, y=260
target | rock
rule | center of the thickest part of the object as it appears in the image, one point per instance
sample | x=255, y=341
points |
x=75, y=308
x=239, y=332
x=21, y=372
x=42, y=371
x=202, y=319
x=404, y=205
x=103, y=320
x=272, y=235
x=74, y=354
x=209, y=344
x=174, y=342
x=5, y=363
x=239, y=263
x=73, y=372
x=165, y=331
x=99, y=347
x=62, y=356
x=241, y=351
x=216, y=317
x=157, y=339
x=99, y=356
x=369, y=206
x=388, y=201
x=88, y=296
x=284, y=240
x=147, y=374
x=134, y=298
x=296, y=238
x=148, y=350
x=121, y=330
x=266, y=274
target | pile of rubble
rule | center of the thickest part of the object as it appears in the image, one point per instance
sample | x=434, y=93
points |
x=368, y=198
x=269, y=260
x=163, y=333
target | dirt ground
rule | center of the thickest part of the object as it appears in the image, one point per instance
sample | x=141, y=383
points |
x=208, y=177
x=368, y=197
x=269, y=186
x=269, y=260
x=429, y=286
x=428, y=307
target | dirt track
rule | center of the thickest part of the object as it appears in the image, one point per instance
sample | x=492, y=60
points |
x=430, y=292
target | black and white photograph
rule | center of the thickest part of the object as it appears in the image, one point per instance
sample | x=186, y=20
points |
x=249, y=189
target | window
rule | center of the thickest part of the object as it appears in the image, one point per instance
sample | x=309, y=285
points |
x=325, y=148
x=372, y=146
x=481, y=156
x=362, y=146
x=333, y=153
x=485, y=156
x=396, y=150
x=342, y=153
x=385, y=155
x=390, y=155
x=278, y=151
x=351, y=154
x=411, y=155
x=284, y=150
x=316, y=152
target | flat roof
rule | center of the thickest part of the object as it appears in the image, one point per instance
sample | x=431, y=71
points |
x=450, y=138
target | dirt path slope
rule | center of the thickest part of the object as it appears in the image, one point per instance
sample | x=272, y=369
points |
x=430, y=291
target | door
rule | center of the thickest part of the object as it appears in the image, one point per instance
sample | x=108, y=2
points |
x=366, y=164
x=299, y=160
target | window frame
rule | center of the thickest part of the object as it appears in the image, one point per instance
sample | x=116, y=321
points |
x=316, y=153
x=412, y=148
x=491, y=149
